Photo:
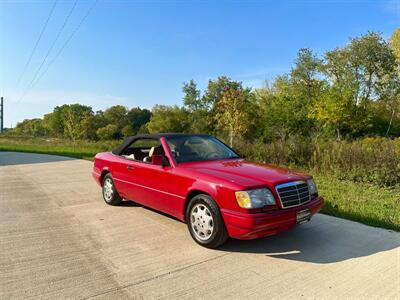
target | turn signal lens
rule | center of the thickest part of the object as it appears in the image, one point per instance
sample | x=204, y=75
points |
x=243, y=199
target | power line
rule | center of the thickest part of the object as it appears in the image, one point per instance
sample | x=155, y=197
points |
x=37, y=42
x=68, y=40
x=48, y=52
x=1, y=115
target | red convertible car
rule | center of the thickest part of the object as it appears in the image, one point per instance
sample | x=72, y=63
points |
x=203, y=182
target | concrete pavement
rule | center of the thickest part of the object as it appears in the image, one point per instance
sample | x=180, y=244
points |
x=58, y=239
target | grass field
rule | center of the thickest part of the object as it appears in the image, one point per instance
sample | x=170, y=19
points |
x=81, y=149
x=360, y=202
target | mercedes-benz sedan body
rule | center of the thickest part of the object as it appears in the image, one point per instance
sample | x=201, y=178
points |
x=203, y=182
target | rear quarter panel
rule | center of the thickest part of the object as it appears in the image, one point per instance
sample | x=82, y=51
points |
x=106, y=162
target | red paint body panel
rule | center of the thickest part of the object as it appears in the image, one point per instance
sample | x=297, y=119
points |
x=167, y=189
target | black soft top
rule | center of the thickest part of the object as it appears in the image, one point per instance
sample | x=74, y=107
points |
x=131, y=139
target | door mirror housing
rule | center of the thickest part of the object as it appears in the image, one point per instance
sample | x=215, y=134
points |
x=159, y=160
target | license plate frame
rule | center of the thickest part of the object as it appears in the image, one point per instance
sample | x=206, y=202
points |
x=303, y=216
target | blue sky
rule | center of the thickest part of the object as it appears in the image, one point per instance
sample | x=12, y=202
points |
x=138, y=53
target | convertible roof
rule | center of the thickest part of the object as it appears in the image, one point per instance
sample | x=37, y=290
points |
x=130, y=139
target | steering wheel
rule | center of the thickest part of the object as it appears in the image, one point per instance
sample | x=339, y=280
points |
x=211, y=155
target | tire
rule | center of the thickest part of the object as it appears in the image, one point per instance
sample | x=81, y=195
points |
x=205, y=222
x=110, y=194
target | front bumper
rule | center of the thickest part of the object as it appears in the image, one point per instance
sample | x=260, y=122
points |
x=245, y=226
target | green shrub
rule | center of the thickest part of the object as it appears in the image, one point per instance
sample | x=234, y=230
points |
x=369, y=160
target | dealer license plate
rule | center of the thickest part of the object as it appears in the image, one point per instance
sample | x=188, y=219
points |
x=303, y=216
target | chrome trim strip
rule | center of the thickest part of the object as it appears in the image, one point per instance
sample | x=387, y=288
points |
x=292, y=183
x=146, y=187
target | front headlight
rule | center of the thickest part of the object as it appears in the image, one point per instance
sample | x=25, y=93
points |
x=255, y=198
x=312, y=187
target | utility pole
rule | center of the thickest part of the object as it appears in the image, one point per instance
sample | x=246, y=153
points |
x=2, y=115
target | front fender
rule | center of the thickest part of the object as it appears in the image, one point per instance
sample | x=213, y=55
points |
x=204, y=187
x=219, y=193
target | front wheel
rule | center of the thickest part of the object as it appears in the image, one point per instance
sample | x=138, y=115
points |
x=205, y=222
x=110, y=194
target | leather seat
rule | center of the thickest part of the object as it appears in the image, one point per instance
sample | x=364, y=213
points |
x=154, y=151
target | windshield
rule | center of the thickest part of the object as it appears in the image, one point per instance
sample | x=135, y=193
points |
x=198, y=148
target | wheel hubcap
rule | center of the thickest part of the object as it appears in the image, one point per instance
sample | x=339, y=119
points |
x=108, y=190
x=201, y=221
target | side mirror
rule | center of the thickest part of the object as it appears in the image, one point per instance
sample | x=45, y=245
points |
x=159, y=160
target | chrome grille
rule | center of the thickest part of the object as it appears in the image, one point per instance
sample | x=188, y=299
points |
x=293, y=193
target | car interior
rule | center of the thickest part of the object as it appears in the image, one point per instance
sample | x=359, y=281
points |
x=143, y=150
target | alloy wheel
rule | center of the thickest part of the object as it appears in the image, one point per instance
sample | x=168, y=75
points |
x=202, y=221
x=108, y=189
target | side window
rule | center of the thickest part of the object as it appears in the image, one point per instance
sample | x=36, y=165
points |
x=143, y=149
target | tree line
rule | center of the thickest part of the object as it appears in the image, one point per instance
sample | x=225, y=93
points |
x=79, y=122
x=348, y=92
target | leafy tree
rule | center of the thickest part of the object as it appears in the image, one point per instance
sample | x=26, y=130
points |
x=108, y=132
x=394, y=103
x=168, y=119
x=215, y=90
x=209, y=103
x=306, y=76
x=233, y=112
x=32, y=127
x=365, y=71
x=199, y=111
x=351, y=91
x=337, y=113
x=283, y=110
x=127, y=131
x=285, y=105
x=91, y=124
x=54, y=121
x=74, y=115
x=118, y=116
x=395, y=43
x=136, y=118
x=192, y=100
x=362, y=67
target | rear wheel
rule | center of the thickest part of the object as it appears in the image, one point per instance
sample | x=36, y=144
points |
x=110, y=194
x=205, y=222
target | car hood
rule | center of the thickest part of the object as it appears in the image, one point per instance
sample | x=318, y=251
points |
x=247, y=174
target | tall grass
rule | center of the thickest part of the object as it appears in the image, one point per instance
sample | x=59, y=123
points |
x=368, y=160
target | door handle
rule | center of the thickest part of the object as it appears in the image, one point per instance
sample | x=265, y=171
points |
x=130, y=168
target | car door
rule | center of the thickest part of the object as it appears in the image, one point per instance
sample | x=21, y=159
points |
x=149, y=184
x=121, y=173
